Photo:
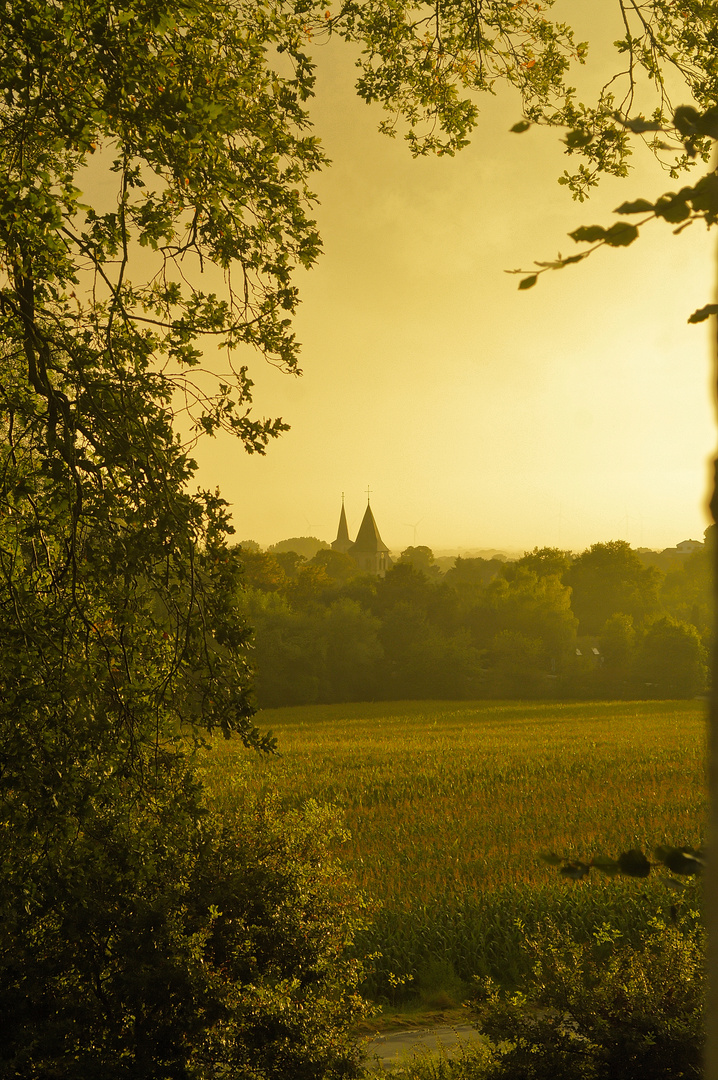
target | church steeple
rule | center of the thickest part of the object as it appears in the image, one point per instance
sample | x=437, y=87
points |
x=342, y=542
x=369, y=549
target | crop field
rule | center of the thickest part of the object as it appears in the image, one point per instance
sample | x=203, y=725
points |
x=449, y=804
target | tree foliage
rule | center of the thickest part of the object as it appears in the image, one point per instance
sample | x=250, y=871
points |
x=131, y=941
x=484, y=628
x=601, y=1010
x=610, y=578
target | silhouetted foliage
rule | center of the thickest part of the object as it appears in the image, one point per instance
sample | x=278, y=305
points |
x=686, y=861
x=422, y=559
x=307, y=546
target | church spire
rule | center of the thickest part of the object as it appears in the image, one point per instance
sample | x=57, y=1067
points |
x=342, y=542
x=369, y=549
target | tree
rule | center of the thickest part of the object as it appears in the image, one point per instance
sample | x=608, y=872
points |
x=288, y=650
x=686, y=589
x=472, y=574
x=608, y=579
x=618, y=639
x=259, y=569
x=671, y=660
x=536, y=608
x=306, y=546
x=545, y=562
x=422, y=559
x=517, y=664
x=353, y=652
x=118, y=951
x=337, y=565
x=605, y=1009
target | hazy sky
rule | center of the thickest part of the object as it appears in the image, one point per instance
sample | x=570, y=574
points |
x=480, y=416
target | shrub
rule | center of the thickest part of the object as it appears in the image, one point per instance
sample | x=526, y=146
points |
x=604, y=1011
x=160, y=941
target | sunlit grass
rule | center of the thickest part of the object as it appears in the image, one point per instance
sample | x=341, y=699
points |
x=449, y=804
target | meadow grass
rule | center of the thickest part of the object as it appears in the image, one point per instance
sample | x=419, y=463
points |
x=450, y=803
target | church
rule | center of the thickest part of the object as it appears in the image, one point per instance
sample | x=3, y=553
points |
x=369, y=550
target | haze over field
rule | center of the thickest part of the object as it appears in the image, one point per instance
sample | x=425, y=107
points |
x=481, y=417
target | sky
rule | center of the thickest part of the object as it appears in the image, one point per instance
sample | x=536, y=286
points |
x=479, y=416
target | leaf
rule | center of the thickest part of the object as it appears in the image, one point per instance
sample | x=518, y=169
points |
x=551, y=858
x=638, y=206
x=704, y=196
x=634, y=863
x=621, y=234
x=528, y=282
x=687, y=119
x=680, y=860
x=523, y=125
x=575, y=870
x=588, y=234
x=605, y=864
x=674, y=883
x=703, y=313
x=577, y=139
x=708, y=123
x=638, y=125
x=674, y=208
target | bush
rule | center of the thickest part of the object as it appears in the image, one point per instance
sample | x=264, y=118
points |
x=161, y=941
x=671, y=660
x=602, y=1010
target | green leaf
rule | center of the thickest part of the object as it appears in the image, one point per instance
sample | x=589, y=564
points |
x=523, y=125
x=638, y=206
x=588, y=234
x=621, y=234
x=528, y=282
x=703, y=313
x=634, y=863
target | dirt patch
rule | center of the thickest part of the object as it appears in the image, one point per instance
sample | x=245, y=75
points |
x=391, y=1047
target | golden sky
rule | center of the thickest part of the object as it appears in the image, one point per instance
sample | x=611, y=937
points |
x=481, y=416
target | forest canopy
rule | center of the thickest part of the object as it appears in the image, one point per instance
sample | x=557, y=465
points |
x=608, y=622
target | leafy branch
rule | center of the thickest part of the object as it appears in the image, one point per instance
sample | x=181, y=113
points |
x=684, y=861
x=697, y=202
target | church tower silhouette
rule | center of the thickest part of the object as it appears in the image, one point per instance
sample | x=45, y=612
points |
x=342, y=542
x=369, y=550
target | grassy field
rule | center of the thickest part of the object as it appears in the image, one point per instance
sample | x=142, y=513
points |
x=449, y=804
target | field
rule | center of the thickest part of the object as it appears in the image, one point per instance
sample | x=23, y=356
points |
x=449, y=804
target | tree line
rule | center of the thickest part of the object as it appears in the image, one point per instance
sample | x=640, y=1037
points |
x=608, y=622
